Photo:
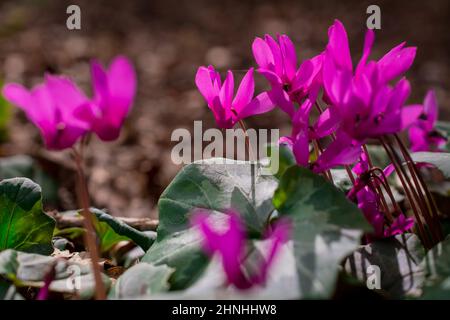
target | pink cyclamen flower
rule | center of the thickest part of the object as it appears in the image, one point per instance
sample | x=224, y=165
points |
x=219, y=97
x=366, y=103
x=114, y=91
x=51, y=106
x=422, y=134
x=278, y=63
x=368, y=204
x=229, y=242
x=364, y=192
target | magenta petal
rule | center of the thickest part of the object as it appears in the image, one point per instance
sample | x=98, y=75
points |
x=262, y=103
x=368, y=43
x=272, y=77
x=281, y=99
x=339, y=46
x=418, y=138
x=409, y=115
x=122, y=86
x=289, y=55
x=66, y=95
x=278, y=237
x=430, y=108
x=326, y=124
x=99, y=84
x=245, y=92
x=304, y=75
x=18, y=95
x=228, y=243
x=342, y=151
x=300, y=148
x=367, y=203
x=276, y=53
x=399, y=226
x=396, y=62
x=263, y=54
x=362, y=166
x=205, y=84
x=227, y=91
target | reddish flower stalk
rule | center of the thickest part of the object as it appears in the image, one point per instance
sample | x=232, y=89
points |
x=417, y=193
x=386, y=186
x=416, y=204
x=421, y=185
x=90, y=235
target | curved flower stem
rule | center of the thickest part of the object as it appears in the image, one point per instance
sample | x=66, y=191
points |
x=90, y=235
x=421, y=185
x=417, y=193
x=409, y=193
x=387, y=187
x=378, y=188
x=381, y=199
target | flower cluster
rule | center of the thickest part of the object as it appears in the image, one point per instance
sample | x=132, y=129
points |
x=64, y=114
x=335, y=108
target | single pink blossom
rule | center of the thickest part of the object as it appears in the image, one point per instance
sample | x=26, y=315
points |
x=51, y=106
x=219, y=97
x=229, y=242
x=422, y=134
x=277, y=61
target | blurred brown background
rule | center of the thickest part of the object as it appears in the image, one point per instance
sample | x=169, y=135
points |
x=167, y=40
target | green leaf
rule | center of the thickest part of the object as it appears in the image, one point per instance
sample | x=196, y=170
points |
x=143, y=279
x=25, y=166
x=286, y=158
x=207, y=184
x=440, y=160
x=112, y=231
x=327, y=227
x=400, y=262
x=29, y=270
x=181, y=251
x=437, y=287
x=23, y=224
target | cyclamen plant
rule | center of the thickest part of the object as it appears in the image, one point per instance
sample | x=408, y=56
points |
x=354, y=105
x=335, y=110
x=65, y=116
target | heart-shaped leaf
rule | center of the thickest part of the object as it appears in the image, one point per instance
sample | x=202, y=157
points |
x=143, y=279
x=397, y=261
x=327, y=227
x=217, y=184
x=23, y=224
